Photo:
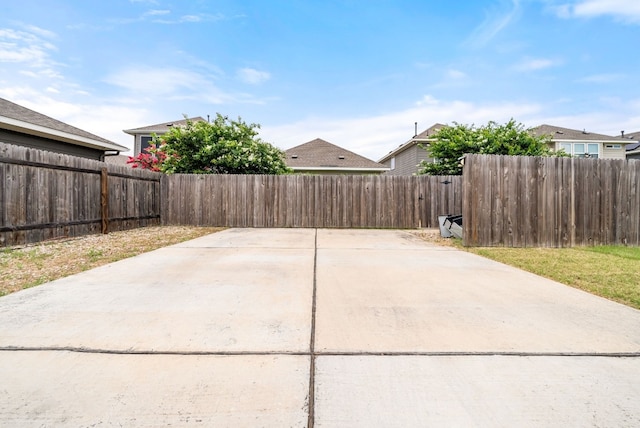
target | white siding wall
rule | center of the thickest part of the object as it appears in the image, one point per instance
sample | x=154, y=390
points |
x=610, y=153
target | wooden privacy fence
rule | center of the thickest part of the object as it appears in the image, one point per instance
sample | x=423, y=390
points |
x=338, y=201
x=517, y=201
x=45, y=195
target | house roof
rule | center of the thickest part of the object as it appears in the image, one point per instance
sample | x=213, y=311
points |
x=16, y=118
x=427, y=133
x=635, y=138
x=161, y=128
x=558, y=133
x=421, y=137
x=319, y=154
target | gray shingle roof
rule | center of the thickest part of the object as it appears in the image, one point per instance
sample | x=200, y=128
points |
x=24, y=115
x=161, y=128
x=559, y=133
x=427, y=133
x=319, y=153
x=633, y=136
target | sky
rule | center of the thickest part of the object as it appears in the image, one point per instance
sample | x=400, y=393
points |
x=358, y=74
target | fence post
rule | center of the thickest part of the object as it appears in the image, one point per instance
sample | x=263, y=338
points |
x=104, y=199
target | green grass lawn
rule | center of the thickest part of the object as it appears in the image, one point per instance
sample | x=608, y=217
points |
x=612, y=272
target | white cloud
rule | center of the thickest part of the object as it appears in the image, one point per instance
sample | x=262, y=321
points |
x=41, y=32
x=156, y=12
x=172, y=84
x=191, y=18
x=533, y=64
x=602, y=78
x=253, y=76
x=186, y=19
x=167, y=17
x=456, y=74
x=495, y=21
x=99, y=117
x=27, y=52
x=375, y=136
x=622, y=10
x=25, y=47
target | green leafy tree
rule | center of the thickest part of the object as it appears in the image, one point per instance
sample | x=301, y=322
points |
x=222, y=146
x=450, y=143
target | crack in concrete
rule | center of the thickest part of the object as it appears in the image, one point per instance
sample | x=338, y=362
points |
x=316, y=354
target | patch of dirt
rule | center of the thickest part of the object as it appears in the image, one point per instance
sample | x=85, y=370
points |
x=36, y=264
x=433, y=236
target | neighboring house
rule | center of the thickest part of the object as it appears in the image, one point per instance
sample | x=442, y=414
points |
x=584, y=144
x=142, y=136
x=633, y=150
x=406, y=159
x=24, y=127
x=321, y=157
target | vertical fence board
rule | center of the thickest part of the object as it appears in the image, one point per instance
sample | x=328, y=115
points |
x=550, y=202
x=309, y=201
x=45, y=195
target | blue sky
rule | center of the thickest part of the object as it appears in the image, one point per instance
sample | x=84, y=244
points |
x=355, y=73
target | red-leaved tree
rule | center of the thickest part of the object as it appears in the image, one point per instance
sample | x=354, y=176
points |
x=150, y=159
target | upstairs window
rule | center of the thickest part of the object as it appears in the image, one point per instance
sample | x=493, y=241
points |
x=145, y=141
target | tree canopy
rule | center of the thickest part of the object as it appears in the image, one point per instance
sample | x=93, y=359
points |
x=450, y=143
x=222, y=146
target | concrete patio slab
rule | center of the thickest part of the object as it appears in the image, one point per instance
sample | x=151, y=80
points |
x=372, y=239
x=172, y=299
x=255, y=238
x=476, y=391
x=428, y=299
x=218, y=331
x=82, y=389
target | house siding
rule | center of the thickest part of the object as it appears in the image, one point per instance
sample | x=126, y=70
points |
x=613, y=153
x=32, y=141
x=605, y=153
x=408, y=161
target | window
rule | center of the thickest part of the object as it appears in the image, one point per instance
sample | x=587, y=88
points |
x=613, y=146
x=145, y=141
x=393, y=163
x=581, y=150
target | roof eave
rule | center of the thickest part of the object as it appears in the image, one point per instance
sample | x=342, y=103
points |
x=559, y=140
x=412, y=142
x=135, y=132
x=53, y=134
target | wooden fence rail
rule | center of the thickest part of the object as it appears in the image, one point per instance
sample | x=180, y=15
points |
x=45, y=195
x=338, y=201
x=516, y=201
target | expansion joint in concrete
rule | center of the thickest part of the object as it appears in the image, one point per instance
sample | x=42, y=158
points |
x=314, y=354
x=312, y=341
